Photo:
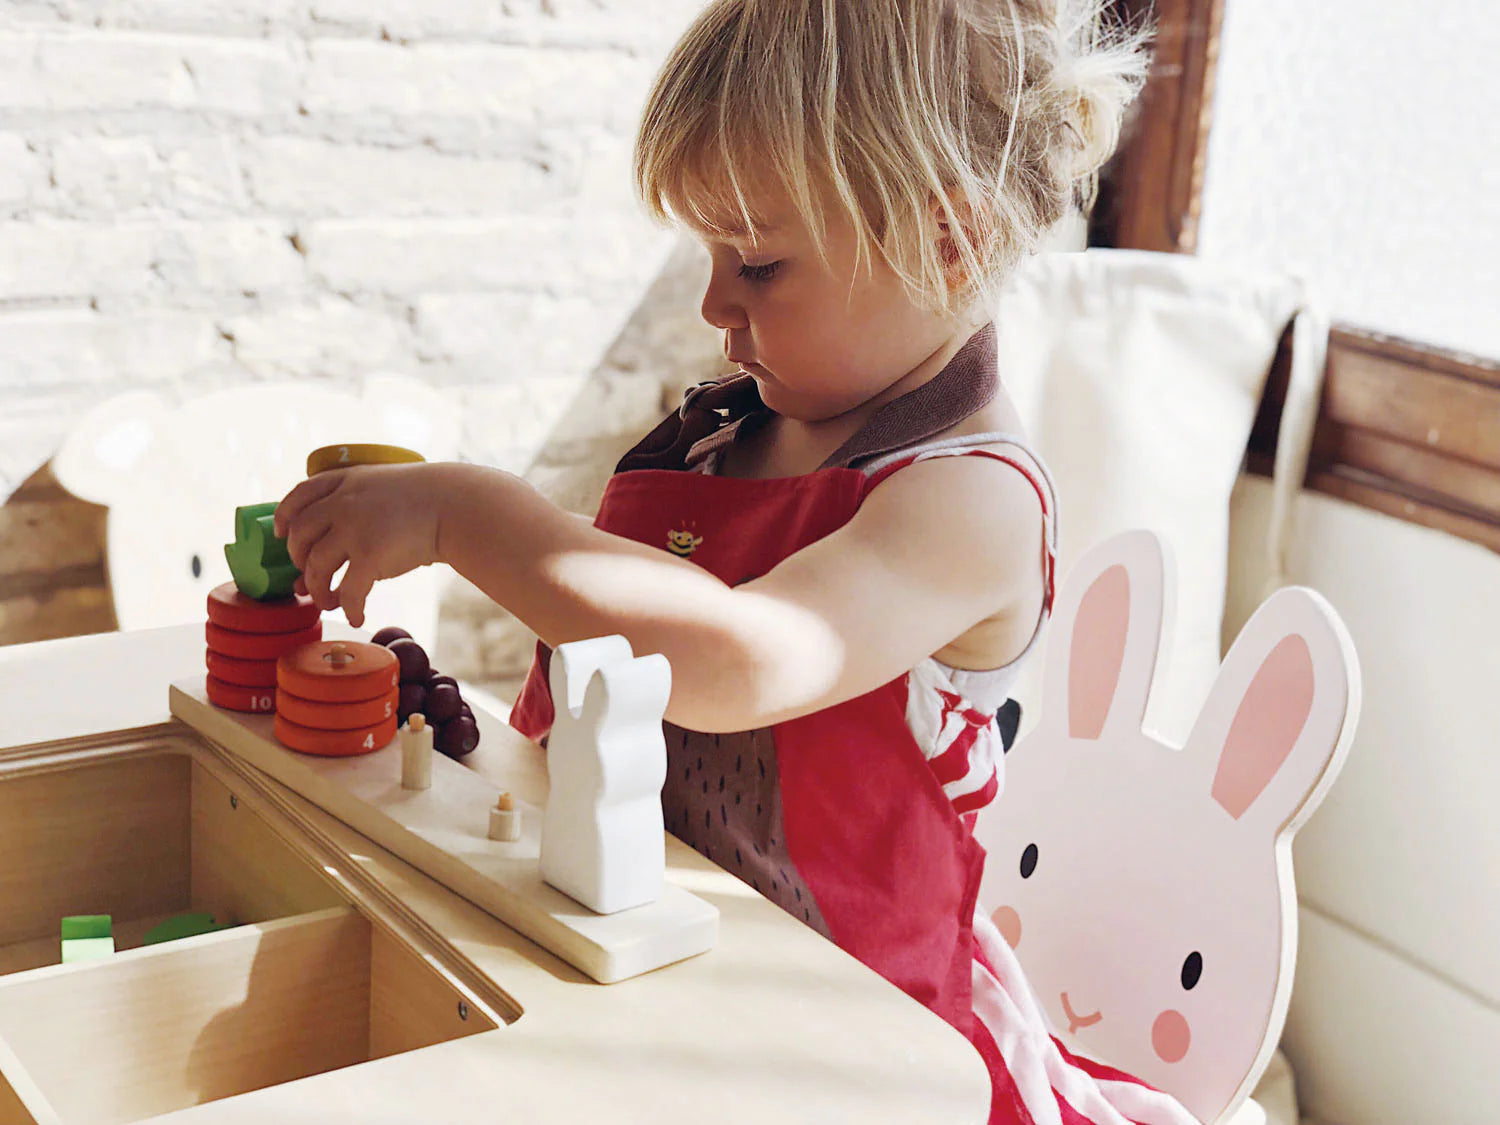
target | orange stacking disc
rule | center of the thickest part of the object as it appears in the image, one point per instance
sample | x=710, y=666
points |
x=230, y=609
x=336, y=716
x=233, y=697
x=258, y=646
x=243, y=673
x=315, y=673
x=335, y=743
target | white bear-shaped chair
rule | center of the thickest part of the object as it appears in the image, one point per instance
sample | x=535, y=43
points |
x=1147, y=890
x=602, y=832
x=172, y=477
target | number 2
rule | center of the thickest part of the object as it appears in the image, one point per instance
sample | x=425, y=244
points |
x=343, y=455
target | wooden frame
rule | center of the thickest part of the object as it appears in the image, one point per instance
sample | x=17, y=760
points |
x=52, y=575
x=1150, y=195
x=1403, y=428
x=307, y=980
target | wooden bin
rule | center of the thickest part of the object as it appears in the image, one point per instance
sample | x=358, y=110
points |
x=301, y=984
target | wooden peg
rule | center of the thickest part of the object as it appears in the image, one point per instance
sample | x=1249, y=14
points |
x=505, y=819
x=416, y=753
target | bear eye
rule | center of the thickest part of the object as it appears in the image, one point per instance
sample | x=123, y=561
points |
x=1028, y=861
x=1192, y=969
x=197, y=567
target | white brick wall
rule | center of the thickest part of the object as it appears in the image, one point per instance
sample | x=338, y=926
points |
x=199, y=192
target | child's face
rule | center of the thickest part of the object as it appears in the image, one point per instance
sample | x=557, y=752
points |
x=820, y=339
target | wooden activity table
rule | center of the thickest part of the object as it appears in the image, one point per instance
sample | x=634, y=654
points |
x=353, y=986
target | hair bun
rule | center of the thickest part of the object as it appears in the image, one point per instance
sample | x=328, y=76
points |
x=1104, y=66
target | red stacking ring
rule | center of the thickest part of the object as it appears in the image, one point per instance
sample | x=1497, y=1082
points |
x=258, y=646
x=244, y=673
x=335, y=743
x=230, y=609
x=338, y=672
x=235, y=697
x=336, y=716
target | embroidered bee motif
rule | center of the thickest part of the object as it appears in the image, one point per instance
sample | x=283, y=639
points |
x=683, y=543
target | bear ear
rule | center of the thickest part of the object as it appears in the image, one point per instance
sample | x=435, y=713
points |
x=414, y=415
x=1105, y=638
x=573, y=666
x=99, y=459
x=1277, y=724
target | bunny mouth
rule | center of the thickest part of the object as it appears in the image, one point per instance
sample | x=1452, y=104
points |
x=1077, y=1021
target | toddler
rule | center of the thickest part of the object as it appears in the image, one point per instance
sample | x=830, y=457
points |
x=845, y=550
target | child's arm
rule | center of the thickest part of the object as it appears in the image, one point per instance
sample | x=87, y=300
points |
x=936, y=548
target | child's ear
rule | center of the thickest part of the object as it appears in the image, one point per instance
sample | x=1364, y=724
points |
x=969, y=220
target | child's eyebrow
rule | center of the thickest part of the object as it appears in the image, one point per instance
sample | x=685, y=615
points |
x=738, y=234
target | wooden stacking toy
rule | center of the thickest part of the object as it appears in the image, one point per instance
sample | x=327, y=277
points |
x=246, y=637
x=258, y=558
x=337, y=698
x=346, y=456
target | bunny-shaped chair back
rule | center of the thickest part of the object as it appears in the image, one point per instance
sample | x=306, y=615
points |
x=172, y=475
x=1147, y=890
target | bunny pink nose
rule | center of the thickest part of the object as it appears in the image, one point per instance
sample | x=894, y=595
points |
x=1008, y=922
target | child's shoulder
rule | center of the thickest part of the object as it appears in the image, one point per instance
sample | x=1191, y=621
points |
x=999, y=512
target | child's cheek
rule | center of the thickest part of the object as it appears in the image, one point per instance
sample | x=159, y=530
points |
x=1170, y=1036
x=1008, y=922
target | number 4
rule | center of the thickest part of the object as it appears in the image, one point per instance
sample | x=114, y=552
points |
x=369, y=742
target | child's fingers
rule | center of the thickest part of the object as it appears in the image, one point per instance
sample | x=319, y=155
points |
x=296, y=501
x=305, y=533
x=353, y=591
x=323, y=563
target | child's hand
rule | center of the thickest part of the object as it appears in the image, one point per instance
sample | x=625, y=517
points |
x=380, y=519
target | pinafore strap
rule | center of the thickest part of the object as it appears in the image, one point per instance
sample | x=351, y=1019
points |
x=714, y=413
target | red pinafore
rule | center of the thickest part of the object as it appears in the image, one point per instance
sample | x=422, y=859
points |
x=838, y=816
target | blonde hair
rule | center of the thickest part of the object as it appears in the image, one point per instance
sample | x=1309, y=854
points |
x=1000, y=111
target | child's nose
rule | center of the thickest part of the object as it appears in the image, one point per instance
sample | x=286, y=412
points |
x=721, y=309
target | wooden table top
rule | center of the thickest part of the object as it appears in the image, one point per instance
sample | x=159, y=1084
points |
x=774, y=1024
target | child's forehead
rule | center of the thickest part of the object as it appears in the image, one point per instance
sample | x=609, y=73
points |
x=720, y=218
x=710, y=207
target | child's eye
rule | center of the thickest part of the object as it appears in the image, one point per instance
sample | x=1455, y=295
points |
x=759, y=273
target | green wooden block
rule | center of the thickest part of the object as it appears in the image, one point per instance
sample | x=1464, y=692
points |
x=84, y=926
x=259, y=561
x=182, y=926
x=87, y=949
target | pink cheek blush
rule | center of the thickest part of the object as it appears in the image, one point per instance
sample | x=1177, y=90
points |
x=1008, y=922
x=1170, y=1036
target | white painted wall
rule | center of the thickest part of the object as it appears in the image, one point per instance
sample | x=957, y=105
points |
x=1356, y=142
x=1396, y=1009
x=197, y=193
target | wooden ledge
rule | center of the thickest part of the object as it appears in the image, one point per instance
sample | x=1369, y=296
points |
x=1405, y=429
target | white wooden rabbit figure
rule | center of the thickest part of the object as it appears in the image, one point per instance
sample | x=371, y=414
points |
x=602, y=832
x=1147, y=890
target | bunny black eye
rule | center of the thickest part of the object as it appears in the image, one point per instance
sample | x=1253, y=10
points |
x=197, y=567
x=1028, y=861
x=1192, y=969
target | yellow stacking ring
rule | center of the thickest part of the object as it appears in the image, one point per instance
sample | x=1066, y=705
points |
x=342, y=456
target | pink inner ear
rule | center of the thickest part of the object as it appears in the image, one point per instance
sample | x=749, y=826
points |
x=1265, y=728
x=1097, y=652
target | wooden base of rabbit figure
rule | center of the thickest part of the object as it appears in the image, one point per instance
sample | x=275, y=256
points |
x=607, y=761
x=1146, y=890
